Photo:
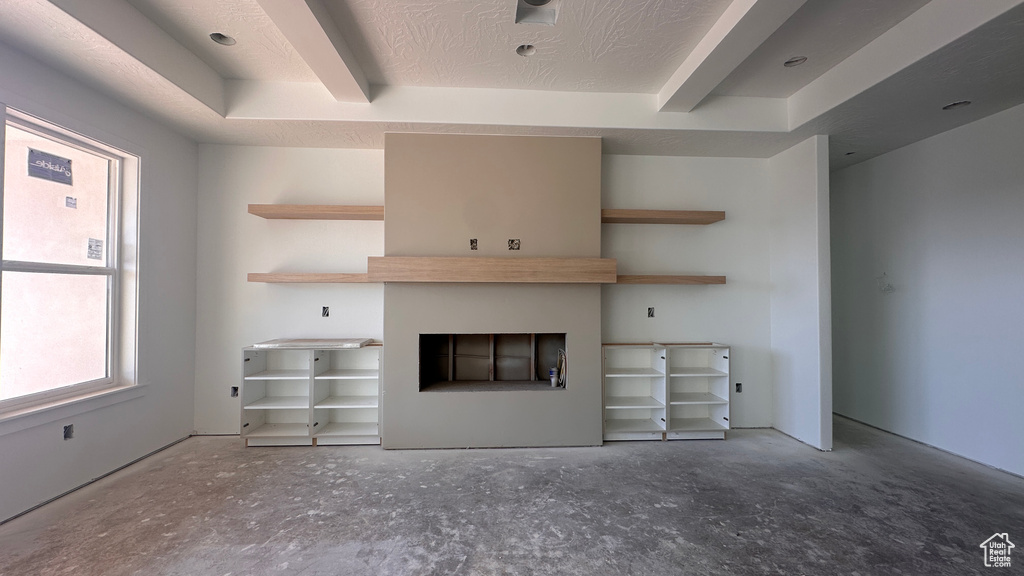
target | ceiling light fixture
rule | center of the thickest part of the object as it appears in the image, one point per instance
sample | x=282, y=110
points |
x=958, y=104
x=795, y=61
x=526, y=50
x=850, y=153
x=223, y=39
x=537, y=12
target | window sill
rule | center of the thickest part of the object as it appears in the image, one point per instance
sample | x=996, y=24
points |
x=26, y=417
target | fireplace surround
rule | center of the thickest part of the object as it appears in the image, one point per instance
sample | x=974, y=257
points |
x=491, y=198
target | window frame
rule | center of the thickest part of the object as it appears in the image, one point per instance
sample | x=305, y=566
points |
x=122, y=226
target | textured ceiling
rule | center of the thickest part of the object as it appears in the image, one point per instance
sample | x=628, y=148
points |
x=596, y=46
x=625, y=46
x=262, y=53
x=826, y=32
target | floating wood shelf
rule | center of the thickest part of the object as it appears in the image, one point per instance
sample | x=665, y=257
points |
x=661, y=216
x=608, y=216
x=507, y=270
x=661, y=279
x=308, y=278
x=316, y=212
x=510, y=270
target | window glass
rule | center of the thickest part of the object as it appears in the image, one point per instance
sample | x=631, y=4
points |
x=53, y=331
x=46, y=218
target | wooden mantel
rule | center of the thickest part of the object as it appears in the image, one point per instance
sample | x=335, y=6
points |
x=488, y=270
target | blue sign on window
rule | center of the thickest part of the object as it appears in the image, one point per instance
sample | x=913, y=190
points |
x=49, y=167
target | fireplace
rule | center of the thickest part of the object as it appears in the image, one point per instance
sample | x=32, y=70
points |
x=466, y=362
x=491, y=362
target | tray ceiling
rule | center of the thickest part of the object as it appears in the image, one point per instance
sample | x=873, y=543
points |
x=659, y=77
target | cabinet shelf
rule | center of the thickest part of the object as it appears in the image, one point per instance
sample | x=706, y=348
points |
x=632, y=373
x=658, y=391
x=279, y=403
x=348, y=402
x=632, y=402
x=701, y=217
x=618, y=426
x=696, y=425
x=278, y=430
x=279, y=375
x=296, y=391
x=316, y=212
x=348, y=429
x=348, y=374
x=681, y=398
x=694, y=372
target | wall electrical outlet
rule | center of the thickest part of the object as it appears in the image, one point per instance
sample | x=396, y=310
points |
x=513, y=243
x=650, y=312
x=325, y=311
x=472, y=244
x=69, y=431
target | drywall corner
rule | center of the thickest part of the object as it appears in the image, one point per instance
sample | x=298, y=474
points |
x=801, y=342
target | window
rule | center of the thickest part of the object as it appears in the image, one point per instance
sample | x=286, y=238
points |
x=66, y=302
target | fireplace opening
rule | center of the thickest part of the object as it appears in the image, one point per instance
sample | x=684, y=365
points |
x=490, y=362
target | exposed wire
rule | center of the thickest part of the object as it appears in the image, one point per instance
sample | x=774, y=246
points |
x=561, y=367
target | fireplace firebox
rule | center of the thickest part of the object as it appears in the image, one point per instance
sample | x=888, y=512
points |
x=490, y=362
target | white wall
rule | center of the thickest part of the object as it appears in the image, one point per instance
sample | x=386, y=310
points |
x=800, y=294
x=233, y=313
x=37, y=463
x=938, y=359
x=737, y=247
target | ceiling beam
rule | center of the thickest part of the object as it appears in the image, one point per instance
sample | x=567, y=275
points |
x=310, y=29
x=124, y=27
x=744, y=26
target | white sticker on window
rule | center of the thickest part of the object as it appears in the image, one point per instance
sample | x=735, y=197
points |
x=70, y=202
x=95, y=249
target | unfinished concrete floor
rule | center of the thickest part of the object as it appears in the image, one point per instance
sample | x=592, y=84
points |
x=758, y=503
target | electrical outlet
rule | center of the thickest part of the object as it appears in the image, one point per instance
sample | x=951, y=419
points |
x=69, y=431
x=650, y=312
x=325, y=311
x=234, y=391
x=513, y=243
x=472, y=244
x=739, y=387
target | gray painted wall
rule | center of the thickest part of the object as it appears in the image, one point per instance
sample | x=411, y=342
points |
x=442, y=190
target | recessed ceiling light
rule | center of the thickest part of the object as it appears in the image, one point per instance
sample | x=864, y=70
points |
x=958, y=104
x=537, y=2
x=850, y=153
x=795, y=61
x=526, y=50
x=222, y=39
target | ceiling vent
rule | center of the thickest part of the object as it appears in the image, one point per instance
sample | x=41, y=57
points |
x=537, y=11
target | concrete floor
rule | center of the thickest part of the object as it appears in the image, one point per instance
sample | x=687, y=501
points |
x=758, y=503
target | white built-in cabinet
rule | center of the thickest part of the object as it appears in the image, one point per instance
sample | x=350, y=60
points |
x=308, y=393
x=665, y=391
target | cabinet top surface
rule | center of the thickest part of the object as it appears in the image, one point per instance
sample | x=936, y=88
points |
x=313, y=343
x=664, y=345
